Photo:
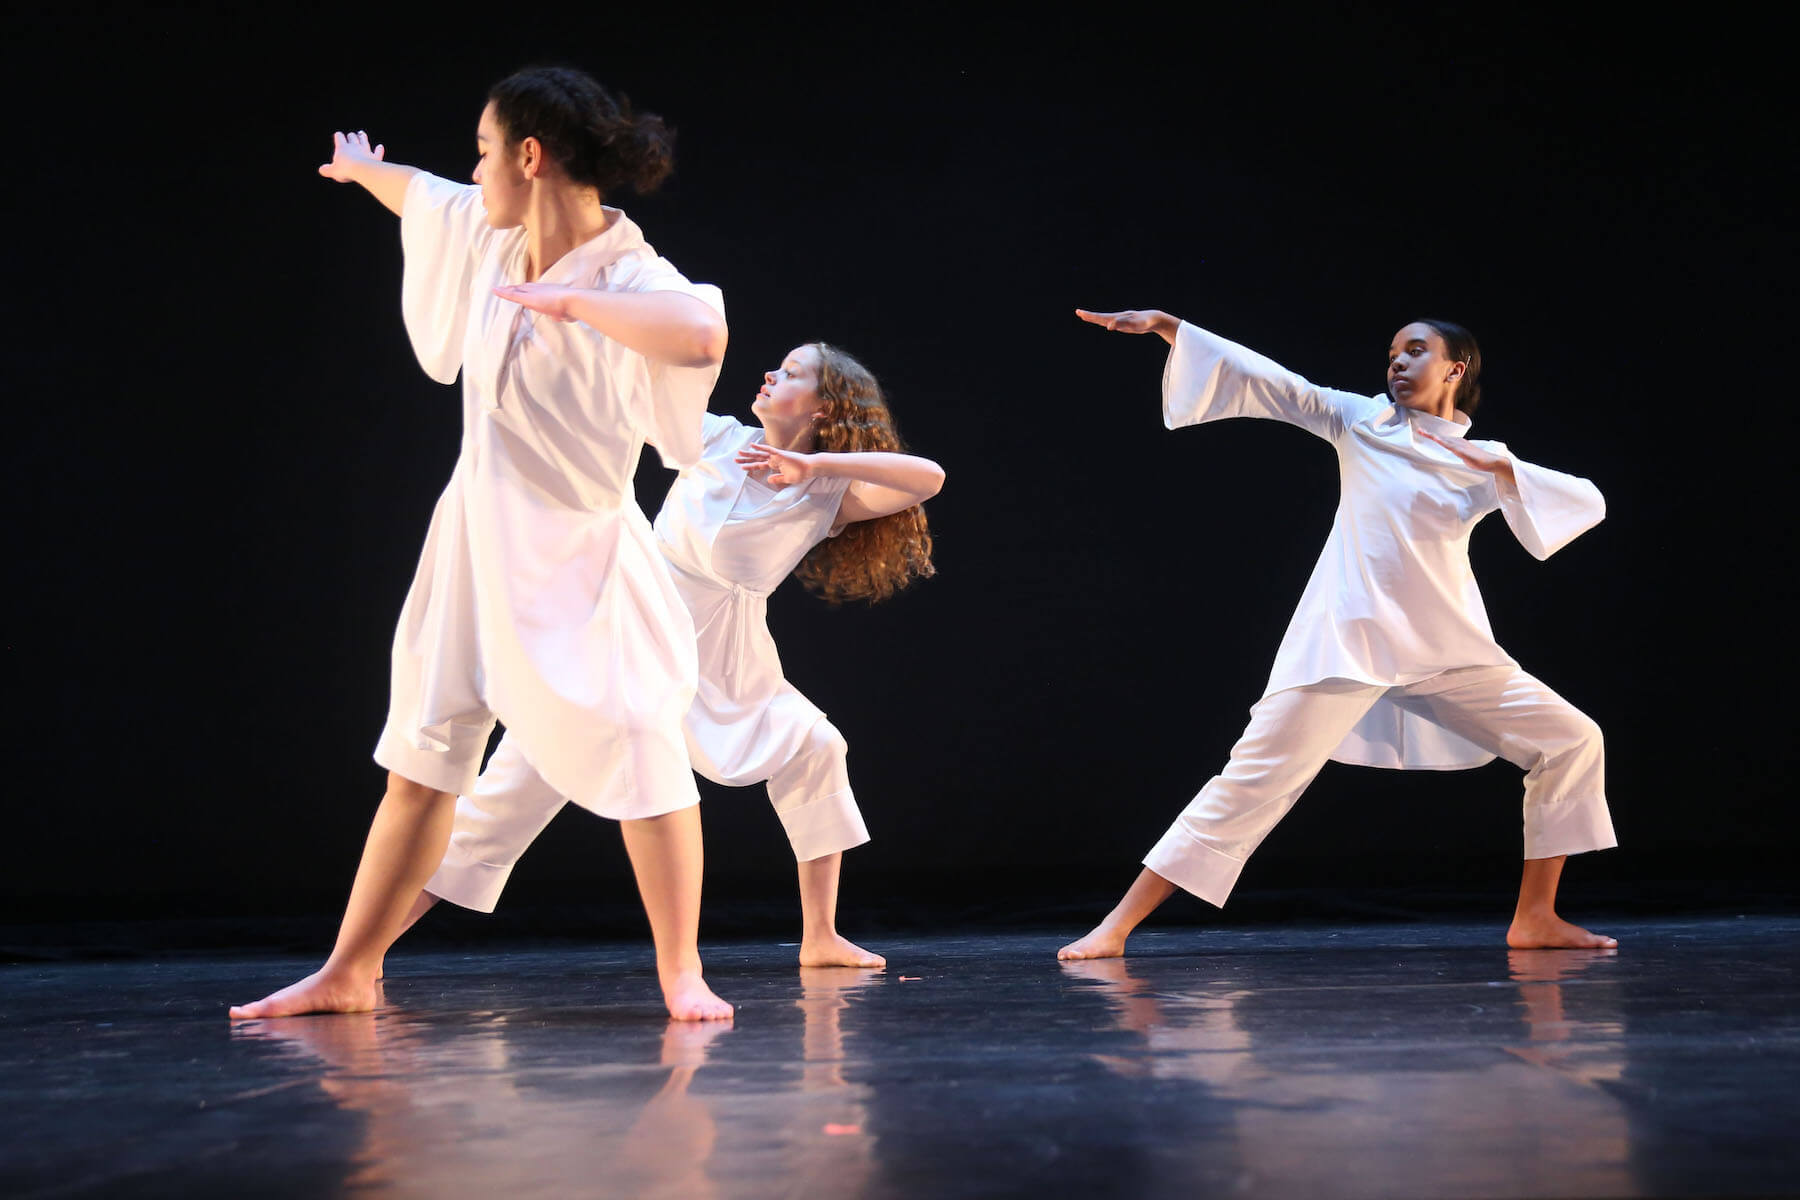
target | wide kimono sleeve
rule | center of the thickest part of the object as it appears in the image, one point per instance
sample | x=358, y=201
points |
x=672, y=420
x=1545, y=509
x=1209, y=378
x=443, y=233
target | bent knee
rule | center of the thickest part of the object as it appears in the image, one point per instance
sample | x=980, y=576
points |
x=1575, y=736
x=824, y=739
x=1584, y=732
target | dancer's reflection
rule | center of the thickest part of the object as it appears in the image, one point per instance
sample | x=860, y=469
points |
x=511, y=1106
x=1588, y=1050
x=830, y=1146
x=1188, y=1036
x=511, y=1102
x=1321, y=1092
x=669, y=1147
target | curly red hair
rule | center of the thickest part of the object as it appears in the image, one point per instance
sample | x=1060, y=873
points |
x=868, y=560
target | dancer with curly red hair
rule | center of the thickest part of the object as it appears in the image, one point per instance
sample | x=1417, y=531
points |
x=822, y=489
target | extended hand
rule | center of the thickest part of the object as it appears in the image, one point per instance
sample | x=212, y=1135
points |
x=547, y=298
x=348, y=152
x=1475, y=456
x=784, y=466
x=1135, y=320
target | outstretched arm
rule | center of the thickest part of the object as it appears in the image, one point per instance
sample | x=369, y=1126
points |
x=354, y=161
x=1135, y=320
x=1209, y=378
x=881, y=482
x=670, y=327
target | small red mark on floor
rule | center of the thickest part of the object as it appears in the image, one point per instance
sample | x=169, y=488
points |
x=840, y=1130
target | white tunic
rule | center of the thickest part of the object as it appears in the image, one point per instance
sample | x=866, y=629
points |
x=731, y=539
x=1392, y=599
x=540, y=597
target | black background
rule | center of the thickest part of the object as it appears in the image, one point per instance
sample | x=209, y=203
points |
x=225, y=456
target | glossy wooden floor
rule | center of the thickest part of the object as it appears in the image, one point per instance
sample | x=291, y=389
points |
x=1370, y=1061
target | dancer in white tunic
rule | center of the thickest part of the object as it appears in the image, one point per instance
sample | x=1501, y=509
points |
x=825, y=467
x=540, y=598
x=1389, y=661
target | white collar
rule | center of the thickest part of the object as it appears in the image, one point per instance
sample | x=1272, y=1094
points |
x=1457, y=426
x=580, y=265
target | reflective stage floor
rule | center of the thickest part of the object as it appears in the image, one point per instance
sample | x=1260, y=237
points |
x=1366, y=1060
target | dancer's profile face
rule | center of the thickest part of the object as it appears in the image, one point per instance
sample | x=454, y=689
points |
x=1421, y=374
x=504, y=188
x=791, y=391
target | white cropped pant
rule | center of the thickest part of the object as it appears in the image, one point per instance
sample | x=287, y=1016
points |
x=511, y=804
x=1292, y=734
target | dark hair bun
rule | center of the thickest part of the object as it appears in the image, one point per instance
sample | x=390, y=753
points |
x=586, y=130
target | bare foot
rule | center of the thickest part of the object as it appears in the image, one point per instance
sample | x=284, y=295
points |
x=317, y=993
x=689, y=999
x=1547, y=931
x=1101, y=943
x=836, y=950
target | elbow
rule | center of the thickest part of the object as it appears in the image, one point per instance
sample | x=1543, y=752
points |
x=706, y=341
x=933, y=481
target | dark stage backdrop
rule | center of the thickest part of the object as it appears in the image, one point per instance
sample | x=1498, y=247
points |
x=225, y=456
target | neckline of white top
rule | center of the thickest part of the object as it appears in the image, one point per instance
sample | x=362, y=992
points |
x=1432, y=423
x=620, y=236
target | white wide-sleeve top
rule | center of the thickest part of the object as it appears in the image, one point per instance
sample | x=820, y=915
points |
x=731, y=539
x=540, y=596
x=1392, y=599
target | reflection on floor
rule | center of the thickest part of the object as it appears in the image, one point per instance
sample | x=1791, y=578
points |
x=1373, y=1060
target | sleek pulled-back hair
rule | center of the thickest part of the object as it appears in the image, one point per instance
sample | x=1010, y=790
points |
x=586, y=130
x=867, y=560
x=1460, y=345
